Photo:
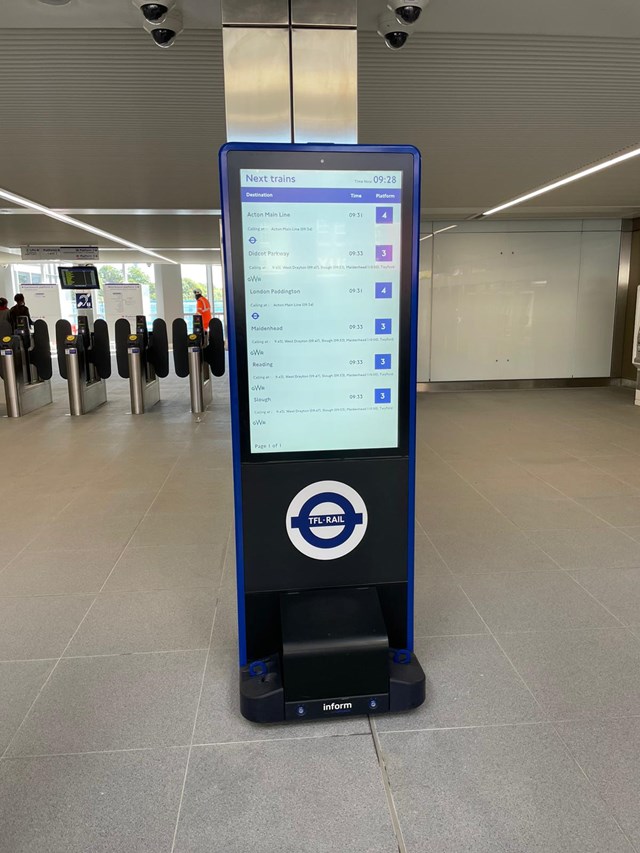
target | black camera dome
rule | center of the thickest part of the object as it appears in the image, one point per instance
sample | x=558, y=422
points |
x=396, y=40
x=154, y=11
x=163, y=37
x=408, y=14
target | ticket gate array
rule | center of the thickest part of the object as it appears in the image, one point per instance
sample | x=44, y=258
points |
x=197, y=355
x=84, y=360
x=25, y=366
x=142, y=357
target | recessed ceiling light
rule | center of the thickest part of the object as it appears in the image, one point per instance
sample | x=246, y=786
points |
x=613, y=161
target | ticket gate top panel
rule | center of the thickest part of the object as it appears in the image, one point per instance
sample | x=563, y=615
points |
x=321, y=248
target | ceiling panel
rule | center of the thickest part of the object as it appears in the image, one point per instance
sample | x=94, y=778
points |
x=104, y=119
x=81, y=14
x=496, y=116
x=618, y=18
x=97, y=117
x=174, y=232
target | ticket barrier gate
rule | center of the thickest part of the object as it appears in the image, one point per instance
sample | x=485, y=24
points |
x=25, y=366
x=196, y=355
x=142, y=358
x=84, y=360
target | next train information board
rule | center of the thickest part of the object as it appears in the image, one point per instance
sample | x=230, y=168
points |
x=321, y=259
x=322, y=282
x=79, y=278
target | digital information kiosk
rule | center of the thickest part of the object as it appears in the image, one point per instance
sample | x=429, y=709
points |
x=321, y=262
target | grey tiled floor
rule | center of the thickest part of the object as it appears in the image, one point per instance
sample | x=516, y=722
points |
x=119, y=725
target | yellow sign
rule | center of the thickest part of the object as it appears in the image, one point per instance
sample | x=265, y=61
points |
x=133, y=337
x=193, y=337
x=6, y=340
x=71, y=337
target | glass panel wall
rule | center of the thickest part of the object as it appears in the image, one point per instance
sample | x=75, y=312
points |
x=206, y=277
x=142, y=274
x=193, y=276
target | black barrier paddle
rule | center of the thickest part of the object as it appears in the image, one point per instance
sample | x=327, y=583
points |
x=123, y=330
x=213, y=353
x=40, y=355
x=180, y=347
x=159, y=348
x=63, y=329
x=101, y=350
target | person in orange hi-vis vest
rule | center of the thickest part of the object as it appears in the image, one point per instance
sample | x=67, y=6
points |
x=203, y=307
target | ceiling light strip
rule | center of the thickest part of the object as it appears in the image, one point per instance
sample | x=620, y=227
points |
x=76, y=223
x=439, y=231
x=613, y=161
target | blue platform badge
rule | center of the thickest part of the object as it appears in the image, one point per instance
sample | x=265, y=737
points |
x=326, y=520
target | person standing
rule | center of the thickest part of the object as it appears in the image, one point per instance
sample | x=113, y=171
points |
x=203, y=308
x=19, y=310
x=5, y=314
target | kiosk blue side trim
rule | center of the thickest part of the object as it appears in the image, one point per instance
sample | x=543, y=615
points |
x=233, y=379
x=235, y=410
x=415, y=273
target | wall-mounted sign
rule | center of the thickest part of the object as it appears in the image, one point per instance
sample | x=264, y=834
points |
x=60, y=253
x=43, y=301
x=122, y=300
x=84, y=301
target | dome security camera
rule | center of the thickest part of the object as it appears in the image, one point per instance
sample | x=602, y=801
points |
x=155, y=13
x=394, y=33
x=406, y=13
x=164, y=33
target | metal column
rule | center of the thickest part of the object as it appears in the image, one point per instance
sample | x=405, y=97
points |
x=196, y=380
x=136, y=386
x=75, y=382
x=291, y=70
x=11, y=392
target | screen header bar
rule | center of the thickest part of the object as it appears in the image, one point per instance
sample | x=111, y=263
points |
x=334, y=179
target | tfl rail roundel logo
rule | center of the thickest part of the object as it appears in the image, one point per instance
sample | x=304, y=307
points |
x=326, y=520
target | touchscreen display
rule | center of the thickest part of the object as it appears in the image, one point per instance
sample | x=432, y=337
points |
x=322, y=279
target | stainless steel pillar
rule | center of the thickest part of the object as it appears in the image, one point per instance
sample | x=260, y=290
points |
x=11, y=391
x=291, y=70
x=196, y=380
x=136, y=381
x=74, y=382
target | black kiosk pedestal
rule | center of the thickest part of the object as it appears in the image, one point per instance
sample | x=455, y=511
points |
x=321, y=262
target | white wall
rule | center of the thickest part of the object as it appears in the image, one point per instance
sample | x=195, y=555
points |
x=518, y=300
x=6, y=283
x=168, y=278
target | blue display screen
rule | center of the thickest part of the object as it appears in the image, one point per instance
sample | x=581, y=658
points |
x=322, y=272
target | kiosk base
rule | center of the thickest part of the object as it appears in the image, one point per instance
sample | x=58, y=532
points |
x=262, y=693
x=335, y=661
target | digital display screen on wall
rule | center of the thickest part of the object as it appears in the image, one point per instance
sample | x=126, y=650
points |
x=79, y=278
x=322, y=275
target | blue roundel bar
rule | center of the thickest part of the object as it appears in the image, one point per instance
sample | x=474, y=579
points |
x=348, y=519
